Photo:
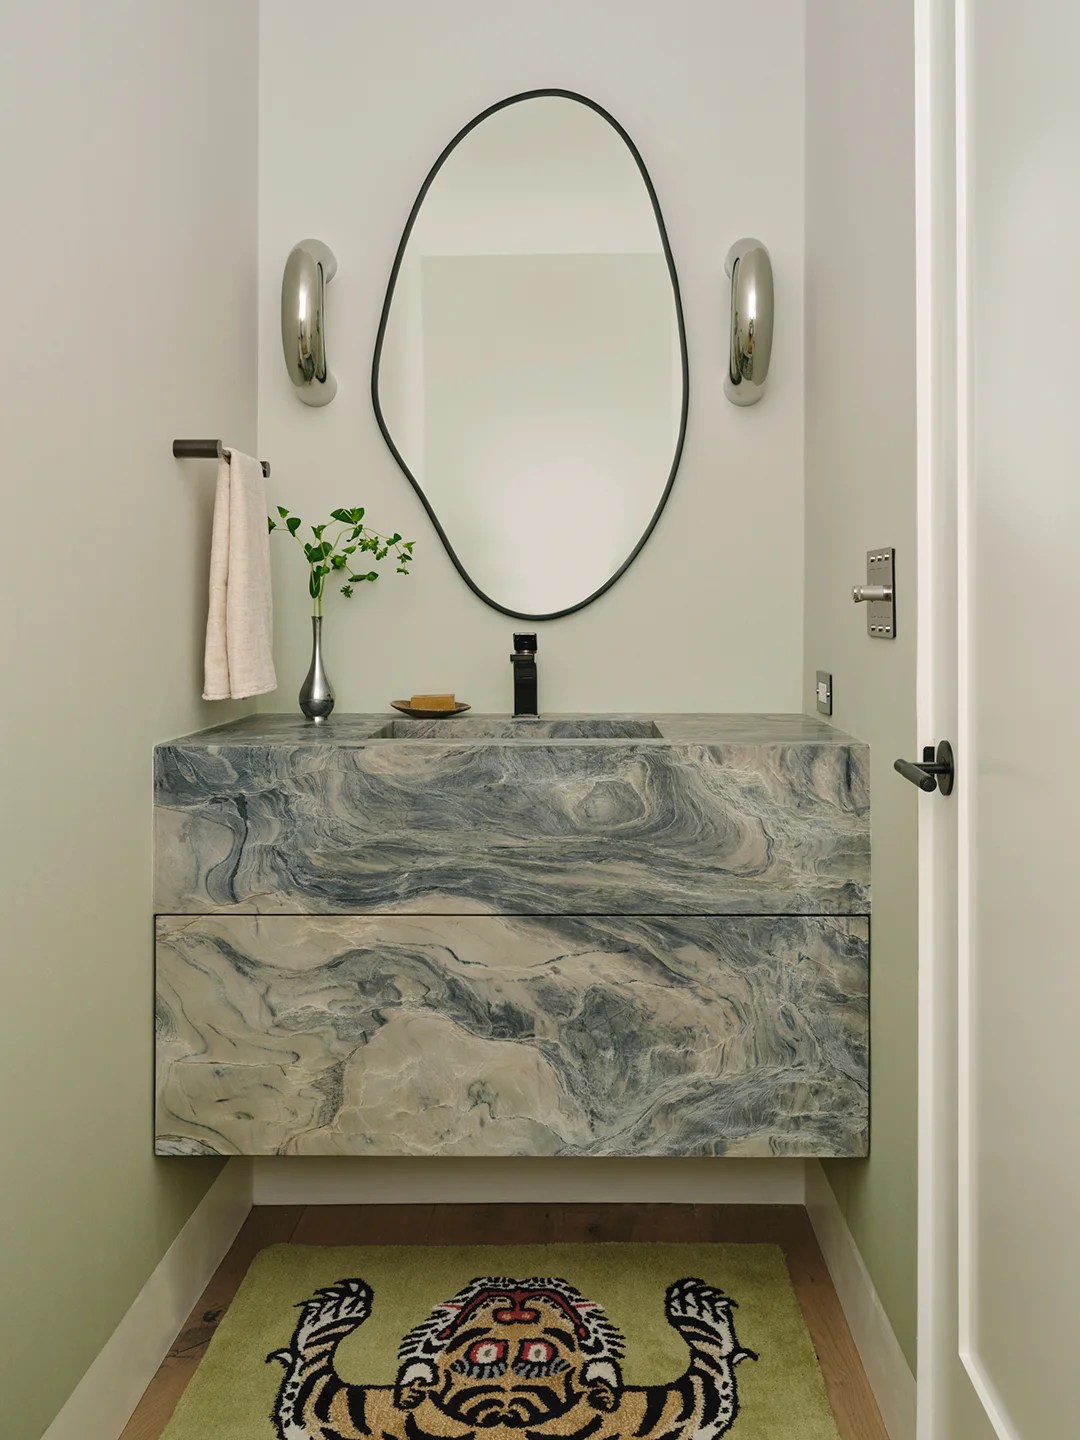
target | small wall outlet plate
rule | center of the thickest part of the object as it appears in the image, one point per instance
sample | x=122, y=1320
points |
x=824, y=692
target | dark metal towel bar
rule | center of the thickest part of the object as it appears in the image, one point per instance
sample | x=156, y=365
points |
x=207, y=450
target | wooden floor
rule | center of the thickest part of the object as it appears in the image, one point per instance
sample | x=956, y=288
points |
x=853, y=1404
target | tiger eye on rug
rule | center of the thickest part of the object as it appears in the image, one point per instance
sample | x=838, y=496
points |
x=510, y=1342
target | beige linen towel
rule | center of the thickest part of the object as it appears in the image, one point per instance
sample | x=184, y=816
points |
x=240, y=623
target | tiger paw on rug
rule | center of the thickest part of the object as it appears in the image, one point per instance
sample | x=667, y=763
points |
x=514, y=1358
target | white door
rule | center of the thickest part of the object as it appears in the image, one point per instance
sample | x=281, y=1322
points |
x=999, y=661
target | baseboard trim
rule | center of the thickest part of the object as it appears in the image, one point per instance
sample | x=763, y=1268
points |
x=883, y=1360
x=342, y=1180
x=102, y=1402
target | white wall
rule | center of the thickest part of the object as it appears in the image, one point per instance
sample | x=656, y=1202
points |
x=860, y=493
x=127, y=257
x=710, y=615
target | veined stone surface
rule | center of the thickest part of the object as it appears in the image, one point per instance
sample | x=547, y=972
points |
x=495, y=1035
x=713, y=815
x=352, y=729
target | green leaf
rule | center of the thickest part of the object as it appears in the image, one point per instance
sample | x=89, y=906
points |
x=293, y=524
x=348, y=549
x=338, y=561
x=355, y=534
x=345, y=516
x=347, y=591
x=356, y=515
x=372, y=575
x=322, y=570
x=313, y=585
x=408, y=545
x=394, y=538
x=283, y=512
x=317, y=530
x=271, y=523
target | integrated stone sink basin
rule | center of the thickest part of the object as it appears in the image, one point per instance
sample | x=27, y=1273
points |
x=568, y=814
x=496, y=727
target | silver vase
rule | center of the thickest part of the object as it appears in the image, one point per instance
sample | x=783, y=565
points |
x=316, y=693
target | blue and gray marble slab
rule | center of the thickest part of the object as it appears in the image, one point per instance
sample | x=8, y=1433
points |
x=675, y=815
x=351, y=729
x=524, y=1035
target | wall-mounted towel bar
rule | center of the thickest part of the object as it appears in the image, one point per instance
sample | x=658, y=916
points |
x=207, y=450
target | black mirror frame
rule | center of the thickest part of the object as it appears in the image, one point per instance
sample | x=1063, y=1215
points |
x=385, y=315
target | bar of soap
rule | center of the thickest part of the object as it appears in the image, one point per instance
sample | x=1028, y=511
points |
x=432, y=702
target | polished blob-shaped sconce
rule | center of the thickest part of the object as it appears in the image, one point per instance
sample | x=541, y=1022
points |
x=750, y=269
x=310, y=266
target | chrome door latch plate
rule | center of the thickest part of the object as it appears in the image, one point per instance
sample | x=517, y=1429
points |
x=879, y=594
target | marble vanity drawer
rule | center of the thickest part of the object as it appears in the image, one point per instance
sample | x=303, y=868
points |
x=547, y=829
x=522, y=1035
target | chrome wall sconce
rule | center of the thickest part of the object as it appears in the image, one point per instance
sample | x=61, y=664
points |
x=308, y=270
x=750, y=269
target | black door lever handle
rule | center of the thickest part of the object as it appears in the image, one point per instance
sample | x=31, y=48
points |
x=935, y=771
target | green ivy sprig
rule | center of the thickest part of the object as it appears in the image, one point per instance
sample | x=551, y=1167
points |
x=330, y=554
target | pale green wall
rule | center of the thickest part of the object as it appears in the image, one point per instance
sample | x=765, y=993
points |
x=127, y=256
x=860, y=493
x=129, y=272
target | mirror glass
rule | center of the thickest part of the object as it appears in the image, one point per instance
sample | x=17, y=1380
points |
x=530, y=370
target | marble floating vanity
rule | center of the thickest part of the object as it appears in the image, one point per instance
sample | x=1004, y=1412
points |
x=584, y=935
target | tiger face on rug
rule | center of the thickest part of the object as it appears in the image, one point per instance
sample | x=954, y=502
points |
x=513, y=1360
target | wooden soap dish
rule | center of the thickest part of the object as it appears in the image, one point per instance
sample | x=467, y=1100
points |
x=406, y=709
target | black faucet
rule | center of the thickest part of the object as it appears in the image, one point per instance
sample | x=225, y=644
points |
x=524, y=663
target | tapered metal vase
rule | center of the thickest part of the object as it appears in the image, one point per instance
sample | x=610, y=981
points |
x=316, y=693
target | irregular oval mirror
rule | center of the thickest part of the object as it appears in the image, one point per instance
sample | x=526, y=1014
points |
x=530, y=371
